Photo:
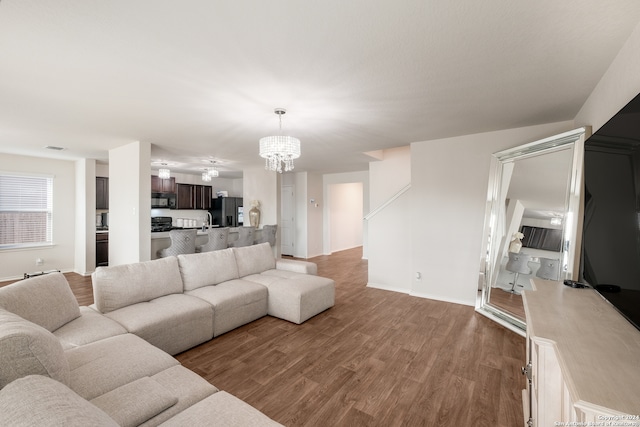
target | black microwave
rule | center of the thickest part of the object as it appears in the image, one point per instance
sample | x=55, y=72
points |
x=163, y=201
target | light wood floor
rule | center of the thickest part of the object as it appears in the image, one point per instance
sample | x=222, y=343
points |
x=377, y=358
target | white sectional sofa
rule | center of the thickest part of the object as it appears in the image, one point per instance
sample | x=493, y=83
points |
x=112, y=364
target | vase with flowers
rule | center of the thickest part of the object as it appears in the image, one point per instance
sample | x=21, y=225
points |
x=516, y=242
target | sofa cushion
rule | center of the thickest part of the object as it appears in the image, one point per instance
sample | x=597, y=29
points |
x=40, y=401
x=102, y=366
x=207, y=268
x=173, y=323
x=136, y=402
x=118, y=286
x=235, y=303
x=254, y=259
x=296, y=297
x=222, y=409
x=189, y=387
x=29, y=349
x=44, y=300
x=89, y=327
x=297, y=266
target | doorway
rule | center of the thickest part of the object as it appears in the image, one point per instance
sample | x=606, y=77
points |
x=345, y=216
x=287, y=229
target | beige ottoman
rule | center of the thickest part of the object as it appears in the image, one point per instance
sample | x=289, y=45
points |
x=294, y=296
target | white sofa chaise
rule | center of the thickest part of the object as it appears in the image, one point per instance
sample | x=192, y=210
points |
x=61, y=364
x=178, y=302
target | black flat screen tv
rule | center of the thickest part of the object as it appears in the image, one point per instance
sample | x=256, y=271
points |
x=610, y=260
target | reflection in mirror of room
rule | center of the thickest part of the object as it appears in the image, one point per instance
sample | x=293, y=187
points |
x=542, y=242
x=530, y=186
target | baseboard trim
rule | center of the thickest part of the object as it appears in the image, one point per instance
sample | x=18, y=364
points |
x=388, y=288
x=451, y=300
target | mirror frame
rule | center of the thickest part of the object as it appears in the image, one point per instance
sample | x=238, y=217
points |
x=572, y=230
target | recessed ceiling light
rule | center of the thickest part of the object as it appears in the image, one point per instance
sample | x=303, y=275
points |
x=53, y=147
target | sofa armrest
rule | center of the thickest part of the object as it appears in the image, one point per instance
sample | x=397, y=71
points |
x=297, y=266
x=136, y=402
x=38, y=401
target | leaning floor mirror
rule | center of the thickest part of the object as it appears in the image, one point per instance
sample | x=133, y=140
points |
x=532, y=223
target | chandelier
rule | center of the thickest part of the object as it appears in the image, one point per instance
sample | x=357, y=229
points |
x=164, y=173
x=279, y=151
x=210, y=172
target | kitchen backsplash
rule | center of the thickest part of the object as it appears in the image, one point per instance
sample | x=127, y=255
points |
x=198, y=215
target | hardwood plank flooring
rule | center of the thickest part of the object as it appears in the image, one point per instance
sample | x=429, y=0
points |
x=377, y=358
x=511, y=303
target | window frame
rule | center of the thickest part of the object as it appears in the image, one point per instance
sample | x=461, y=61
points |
x=48, y=210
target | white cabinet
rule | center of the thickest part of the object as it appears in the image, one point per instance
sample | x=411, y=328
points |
x=584, y=359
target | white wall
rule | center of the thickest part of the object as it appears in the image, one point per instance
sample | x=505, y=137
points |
x=449, y=193
x=308, y=215
x=262, y=185
x=390, y=230
x=619, y=85
x=85, y=224
x=314, y=215
x=14, y=263
x=299, y=182
x=130, y=203
x=102, y=169
x=389, y=175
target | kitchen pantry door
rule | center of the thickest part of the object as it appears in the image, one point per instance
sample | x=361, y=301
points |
x=287, y=229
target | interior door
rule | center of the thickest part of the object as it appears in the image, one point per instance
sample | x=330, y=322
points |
x=287, y=226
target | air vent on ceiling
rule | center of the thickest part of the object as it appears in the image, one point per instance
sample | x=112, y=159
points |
x=53, y=147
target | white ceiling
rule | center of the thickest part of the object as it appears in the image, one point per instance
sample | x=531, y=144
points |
x=199, y=79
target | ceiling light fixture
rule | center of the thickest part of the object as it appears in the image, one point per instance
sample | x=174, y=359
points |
x=205, y=176
x=164, y=173
x=279, y=150
x=212, y=171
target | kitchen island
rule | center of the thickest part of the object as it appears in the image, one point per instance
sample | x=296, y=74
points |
x=161, y=239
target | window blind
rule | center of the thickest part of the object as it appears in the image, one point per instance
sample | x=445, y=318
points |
x=26, y=210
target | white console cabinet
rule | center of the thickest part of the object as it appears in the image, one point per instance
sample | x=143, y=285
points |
x=584, y=360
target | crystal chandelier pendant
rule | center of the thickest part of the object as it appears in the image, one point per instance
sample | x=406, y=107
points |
x=211, y=171
x=279, y=151
x=164, y=173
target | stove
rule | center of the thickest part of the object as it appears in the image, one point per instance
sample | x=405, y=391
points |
x=161, y=223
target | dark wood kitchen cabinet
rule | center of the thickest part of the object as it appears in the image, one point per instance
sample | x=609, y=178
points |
x=205, y=197
x=102, y=192
x=190, y=196
x=102, y=249
x=160, y=185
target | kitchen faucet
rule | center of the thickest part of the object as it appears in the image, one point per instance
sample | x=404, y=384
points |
x=210, y=219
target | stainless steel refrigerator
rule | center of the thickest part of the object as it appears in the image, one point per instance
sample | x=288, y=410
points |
x=227, y=211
